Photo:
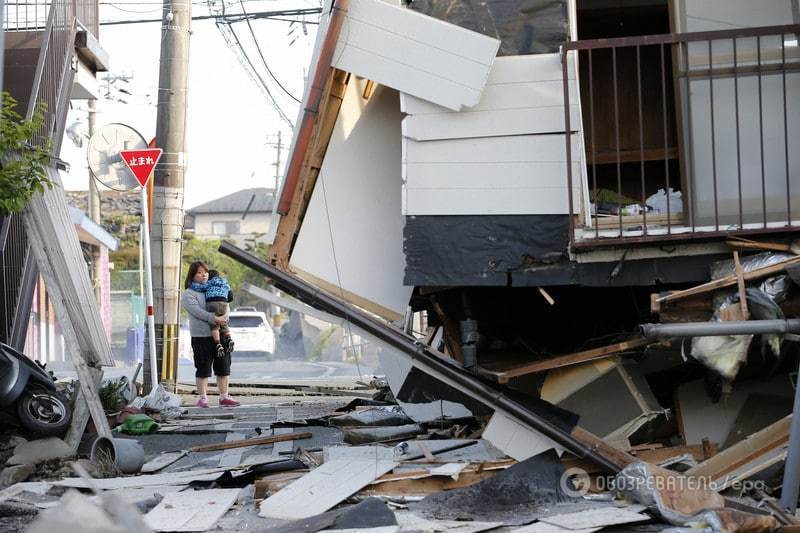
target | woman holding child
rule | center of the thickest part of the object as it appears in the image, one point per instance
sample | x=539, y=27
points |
x=208, y=321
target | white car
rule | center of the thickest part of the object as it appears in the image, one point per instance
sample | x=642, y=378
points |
x=251, y=333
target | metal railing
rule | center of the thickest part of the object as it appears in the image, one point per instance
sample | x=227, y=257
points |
x=32, y=15
x=53, y=80
x=702, y=125
x=52, y=85
x=17, y=279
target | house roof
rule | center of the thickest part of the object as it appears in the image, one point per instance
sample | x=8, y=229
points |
x=237, y=202
x=91, y=232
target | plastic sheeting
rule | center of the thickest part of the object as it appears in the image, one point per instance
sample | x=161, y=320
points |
x=523, y=26
x=726, y=354
x=776, y=287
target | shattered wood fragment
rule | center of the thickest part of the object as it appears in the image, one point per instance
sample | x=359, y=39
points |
x=270, y=484
x=505, y=375
x=429, y=484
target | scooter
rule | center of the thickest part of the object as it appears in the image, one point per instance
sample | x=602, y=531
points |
x=26, y=385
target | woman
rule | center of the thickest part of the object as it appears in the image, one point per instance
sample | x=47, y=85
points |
x=205, y=355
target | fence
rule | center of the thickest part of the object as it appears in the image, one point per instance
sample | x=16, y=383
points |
x=701, y=124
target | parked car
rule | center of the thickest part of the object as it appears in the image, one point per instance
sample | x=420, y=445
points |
x=29, y=389
x=251, y=334
x=246, y=308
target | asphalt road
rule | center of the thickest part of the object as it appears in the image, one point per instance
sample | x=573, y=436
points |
x=252, y=369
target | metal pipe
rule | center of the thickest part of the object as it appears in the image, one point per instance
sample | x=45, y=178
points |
x=711, y=329
x=421, y=356
x=791, y=470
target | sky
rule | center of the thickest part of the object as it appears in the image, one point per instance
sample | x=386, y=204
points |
x=231, y=124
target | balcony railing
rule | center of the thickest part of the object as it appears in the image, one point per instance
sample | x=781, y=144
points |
x=31, y=15
x=701, y=127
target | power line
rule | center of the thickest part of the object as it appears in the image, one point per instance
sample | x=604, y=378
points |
x=229, y=19
x=229, y=35
x=264, y=61
x=264, y=86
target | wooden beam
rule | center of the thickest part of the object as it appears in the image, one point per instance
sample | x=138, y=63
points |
x=250, y=442
x=747, y=244
x=503, y=376
x=289, y=225
x=727, y=281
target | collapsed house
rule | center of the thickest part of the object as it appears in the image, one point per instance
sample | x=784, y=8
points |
x=539, y=181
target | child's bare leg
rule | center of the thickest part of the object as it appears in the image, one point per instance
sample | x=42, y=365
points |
x=215, y=335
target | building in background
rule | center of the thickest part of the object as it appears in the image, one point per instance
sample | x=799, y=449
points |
x=242, y=216
x=45, y=341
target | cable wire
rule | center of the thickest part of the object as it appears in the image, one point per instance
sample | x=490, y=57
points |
x=264, y=61
x=349, y=325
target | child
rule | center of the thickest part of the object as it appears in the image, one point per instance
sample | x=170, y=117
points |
x=218, y=294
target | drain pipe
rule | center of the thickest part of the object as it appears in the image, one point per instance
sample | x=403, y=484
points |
x=717, y=329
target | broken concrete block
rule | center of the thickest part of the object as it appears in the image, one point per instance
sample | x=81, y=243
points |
x=15, y=474
x=37, y=451
x=11, y=441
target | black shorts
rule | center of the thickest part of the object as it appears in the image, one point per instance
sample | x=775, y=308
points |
x=205, y=358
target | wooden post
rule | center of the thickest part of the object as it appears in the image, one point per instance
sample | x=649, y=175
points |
x=740, y=282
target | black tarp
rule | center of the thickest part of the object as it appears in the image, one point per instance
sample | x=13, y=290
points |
x=476, y=250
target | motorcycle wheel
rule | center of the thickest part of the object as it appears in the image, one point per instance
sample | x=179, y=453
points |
x=44, y=412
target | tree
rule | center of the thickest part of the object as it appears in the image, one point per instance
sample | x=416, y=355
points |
x=237, y=274
x=24, y=166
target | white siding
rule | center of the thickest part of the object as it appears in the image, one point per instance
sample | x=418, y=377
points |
x=506, y=155
x=360, y=179
x=414, y=53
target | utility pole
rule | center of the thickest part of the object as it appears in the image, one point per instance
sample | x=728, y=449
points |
x=167, y=201
x=277, y=163
x=94, y=214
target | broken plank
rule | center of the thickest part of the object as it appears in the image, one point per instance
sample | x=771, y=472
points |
x=428, y=484
x=162, y=461
x=324, y=487
x=728, y=281
x=747, y=244
x=740, y=282
x=170, y=478
x=250, y=442
x=503, y=376
x=602, y=517
x=745, y=457
x=191, y=510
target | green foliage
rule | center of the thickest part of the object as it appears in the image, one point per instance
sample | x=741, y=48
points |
x=23, y=171
x=111, y=397
x=320, y=344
